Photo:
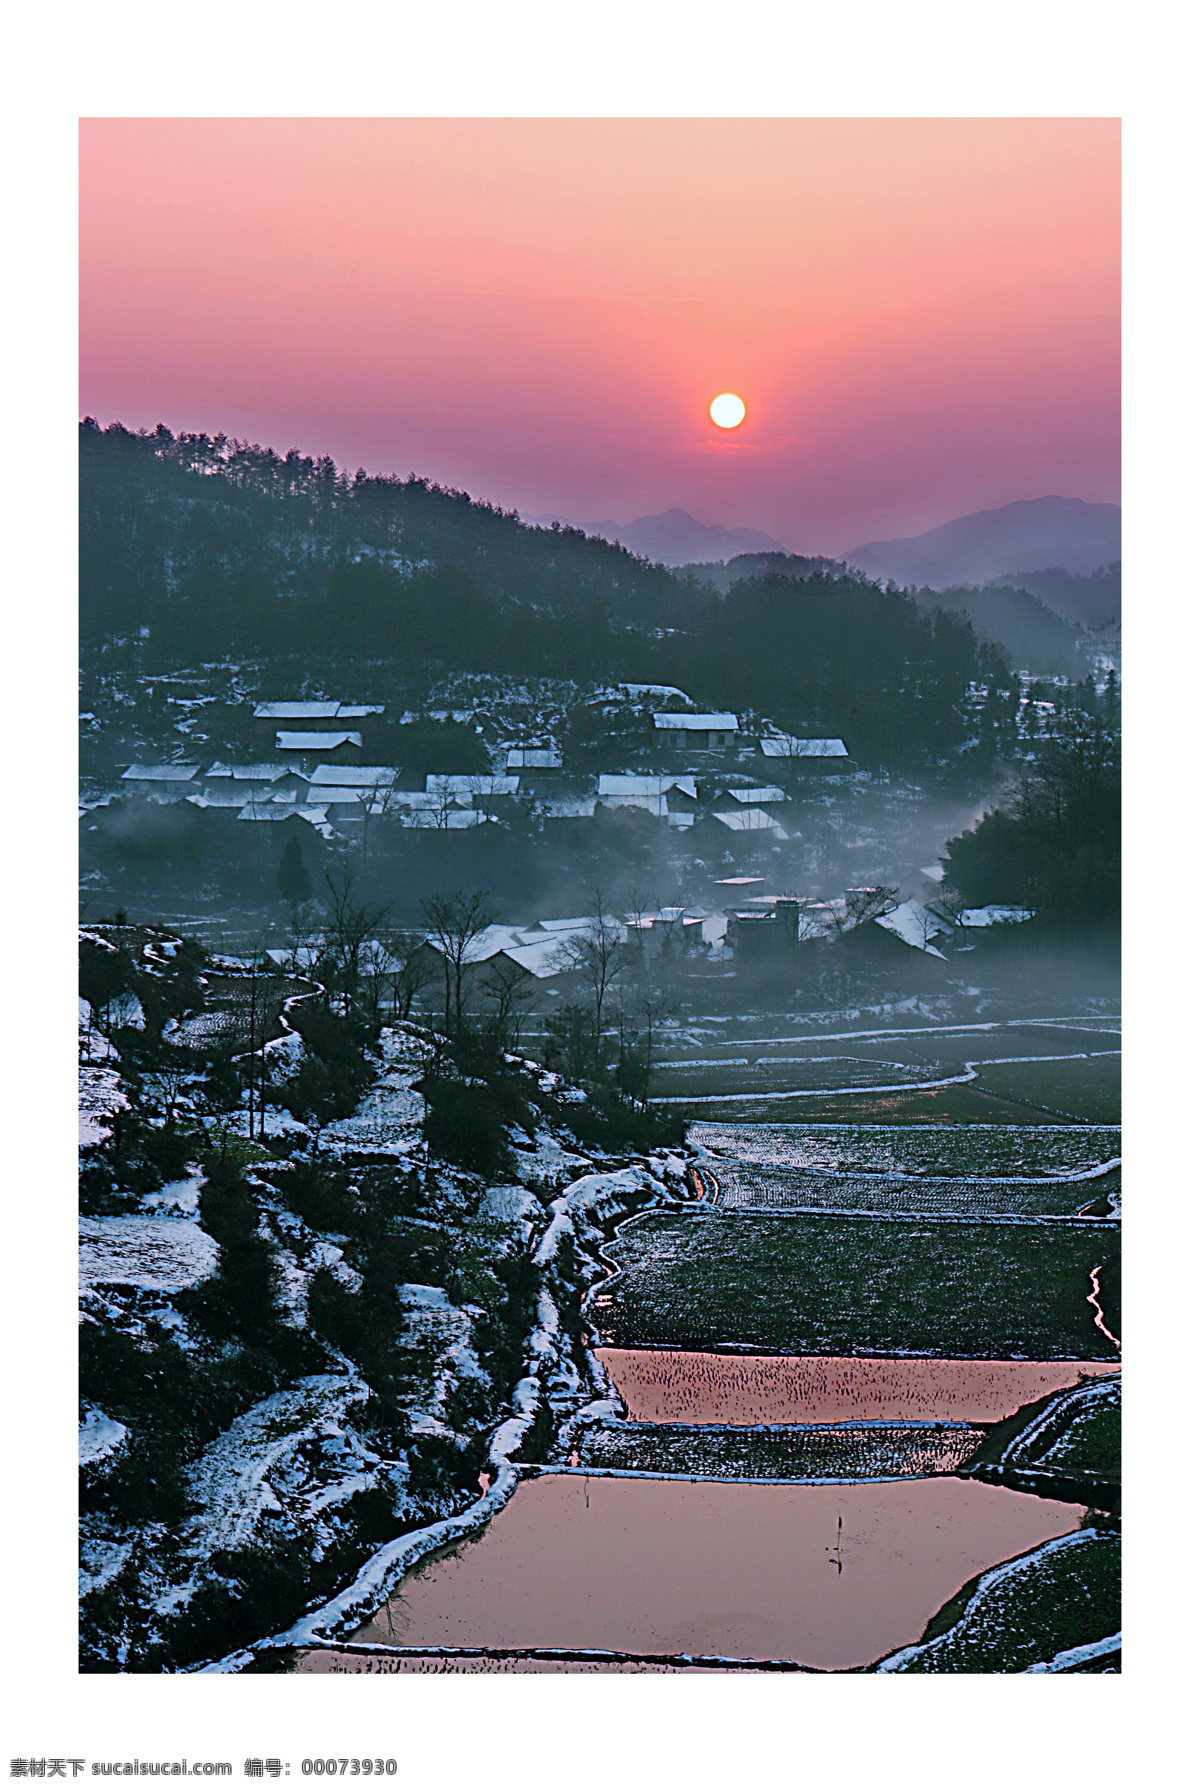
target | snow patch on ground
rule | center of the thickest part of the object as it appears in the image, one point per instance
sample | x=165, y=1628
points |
x=99, y=1436
x=231, y=1479
x=100, y=1097
x=593, y=1197
x=168, y=1254
x=180, y=1197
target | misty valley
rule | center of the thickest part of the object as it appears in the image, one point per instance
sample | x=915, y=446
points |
x=599, y=1113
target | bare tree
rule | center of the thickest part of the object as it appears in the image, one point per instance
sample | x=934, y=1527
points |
x=409, y=971
x=869, y=903
x=375, y=970
x=509, y=988
x=349, y=924
x=254, y=1021
x=456, y=922
x=595, y=954
x=303, y=937
x=949, y=905
x=929, y=927
x=656, y=1003
x=373, y=799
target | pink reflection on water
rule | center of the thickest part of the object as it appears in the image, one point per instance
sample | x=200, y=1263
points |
x=665, y=1567
x=692, y=1387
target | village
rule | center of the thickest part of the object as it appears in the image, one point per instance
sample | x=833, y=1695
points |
x=717, y=846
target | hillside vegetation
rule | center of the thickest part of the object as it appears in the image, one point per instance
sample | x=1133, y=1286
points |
x=190, y=540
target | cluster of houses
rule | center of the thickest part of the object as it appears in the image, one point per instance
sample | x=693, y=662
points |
x=730, y=785
x=768, y=931
x=535, y=967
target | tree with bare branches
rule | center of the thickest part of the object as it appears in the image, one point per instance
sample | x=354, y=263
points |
x=870, y=903
x=410, y=969
x=456, y=922
x=595, y=954
x=510, y=990
x=349, y=925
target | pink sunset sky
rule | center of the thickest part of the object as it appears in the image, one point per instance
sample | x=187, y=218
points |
x=923, y=316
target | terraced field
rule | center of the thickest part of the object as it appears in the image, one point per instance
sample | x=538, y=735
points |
x=1079, y=1433
x=819, y=1452
x=835, y=1285
x=740, y=1186
x=1023, y=1152
x=818, y=1073
x=1028, y=1613
x=675, y=1386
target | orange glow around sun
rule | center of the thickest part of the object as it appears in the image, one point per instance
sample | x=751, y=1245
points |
x=727, y=410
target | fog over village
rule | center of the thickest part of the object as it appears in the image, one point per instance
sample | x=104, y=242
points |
x=599, y=1055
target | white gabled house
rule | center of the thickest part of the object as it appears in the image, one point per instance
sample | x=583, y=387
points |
x=806, y=756
x=533, y=758
x=671, y=798
x=160, y=780
x=337, y=745
x=707, y=732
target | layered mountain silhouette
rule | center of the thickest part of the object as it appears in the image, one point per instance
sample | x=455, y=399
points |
x=1067, y=533
x=676, y=539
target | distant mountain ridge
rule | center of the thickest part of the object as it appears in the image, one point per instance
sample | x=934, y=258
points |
x=1067, y=533
x=675, y=538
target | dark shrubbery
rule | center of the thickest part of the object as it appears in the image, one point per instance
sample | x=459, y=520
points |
x=466, y=1124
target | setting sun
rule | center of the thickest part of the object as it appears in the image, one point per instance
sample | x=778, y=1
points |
x=727, y=410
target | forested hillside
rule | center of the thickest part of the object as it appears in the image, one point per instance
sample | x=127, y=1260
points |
x=219, y=550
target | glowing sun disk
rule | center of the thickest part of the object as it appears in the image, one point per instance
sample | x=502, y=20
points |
x=727, y=410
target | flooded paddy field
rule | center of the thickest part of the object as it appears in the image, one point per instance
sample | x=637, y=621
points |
x=667, y=1567
x=689, y=1387
x=839, y=1285
x=817, y=1452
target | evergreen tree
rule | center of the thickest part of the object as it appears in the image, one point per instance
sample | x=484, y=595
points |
x=292, y=878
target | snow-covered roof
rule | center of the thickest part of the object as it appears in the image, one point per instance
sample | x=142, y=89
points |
x=916, y=925
x=621, y=785
x=658, y=690
x=533, y=758
x=662, y=917
x=455, y=817
x=230, y=798
x=160, y=774
x=996, y=914
x=356, y=711
x=485, y=945
x=322, y=711
x=249, y=774
x=790, y=746
x=314, y=813
x=720, y=721
x=374, y=796
x=287, y=741
x=420, y=799
x=345, y=776
x=574, y=923
x=759, y=794
x=542, y=958
x=471, y=784
x=751, y=820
